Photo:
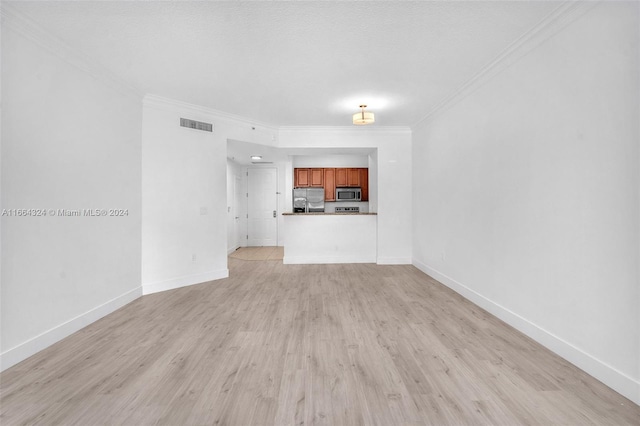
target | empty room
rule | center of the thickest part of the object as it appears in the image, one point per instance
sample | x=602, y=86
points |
x=320, y=212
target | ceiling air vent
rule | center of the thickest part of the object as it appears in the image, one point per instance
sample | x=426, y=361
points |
x=198, y=125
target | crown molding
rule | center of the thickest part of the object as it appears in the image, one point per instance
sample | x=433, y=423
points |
x=25, y=27
x=160, y=102
x=550, y=25
x=347, y=129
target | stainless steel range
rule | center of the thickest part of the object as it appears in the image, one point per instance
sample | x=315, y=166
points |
x=347, y=209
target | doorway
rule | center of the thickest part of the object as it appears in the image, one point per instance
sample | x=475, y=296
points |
x=262, y=207
x=238, y=197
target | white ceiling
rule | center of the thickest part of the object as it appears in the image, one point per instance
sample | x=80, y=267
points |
x=293, y=63
x=241, y=152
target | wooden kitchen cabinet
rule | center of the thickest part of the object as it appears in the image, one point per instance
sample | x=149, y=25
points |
x=347, y=177
x=341, y=178
x=329, y=184
x=364, y=183
x=353, y=177
x=330, y=179
x=306, y=178
x=316, y=178
x=301, y=178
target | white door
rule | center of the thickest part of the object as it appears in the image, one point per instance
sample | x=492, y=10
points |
x=263, y=207
x=238, y=199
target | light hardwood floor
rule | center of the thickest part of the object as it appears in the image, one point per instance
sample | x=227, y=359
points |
x=282, y=344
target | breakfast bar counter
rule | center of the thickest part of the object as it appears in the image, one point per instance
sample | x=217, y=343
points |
x=327, y=213
x=330, y=238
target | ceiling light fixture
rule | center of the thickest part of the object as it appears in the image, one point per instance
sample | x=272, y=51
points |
x=256, y=157
x=363, y=117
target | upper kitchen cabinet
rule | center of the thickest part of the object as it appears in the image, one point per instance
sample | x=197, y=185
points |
x=317, y=178
x=364, y=183
x=308, y=178
x=353, y=177
x=329, y=184
x=301, y=178
x=341, y=177
x=347, y=177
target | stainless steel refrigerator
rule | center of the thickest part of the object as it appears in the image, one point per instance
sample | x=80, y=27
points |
x=308, y=200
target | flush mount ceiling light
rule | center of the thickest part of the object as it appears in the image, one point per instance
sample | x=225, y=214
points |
x=363, y=117
x=256, y=157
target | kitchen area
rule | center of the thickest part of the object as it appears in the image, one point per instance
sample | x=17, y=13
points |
x=330, y=221
x=377, y=228
x=331, y=190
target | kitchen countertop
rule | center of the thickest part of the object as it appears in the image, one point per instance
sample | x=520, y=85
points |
x=327, y=214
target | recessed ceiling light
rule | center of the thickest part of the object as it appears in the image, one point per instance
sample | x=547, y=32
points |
x=256, y=157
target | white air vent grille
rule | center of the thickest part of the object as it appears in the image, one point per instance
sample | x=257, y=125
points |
x=198, y=125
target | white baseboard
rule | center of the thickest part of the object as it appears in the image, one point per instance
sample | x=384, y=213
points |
x=394, y=261
x=184, y=281
x=313, y=260
x=231, y=250
x=23, y=351
x=610, y=376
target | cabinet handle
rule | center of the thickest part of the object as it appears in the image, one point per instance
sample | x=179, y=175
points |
x=274, y=213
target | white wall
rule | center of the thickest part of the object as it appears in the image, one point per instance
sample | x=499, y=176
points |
x=373, y=181
x=184, y=193
x=526, y=195
x=330, y=239
x=392, y=178
x=70, y=140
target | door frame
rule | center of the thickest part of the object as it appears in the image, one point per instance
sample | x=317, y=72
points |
x=277, y=199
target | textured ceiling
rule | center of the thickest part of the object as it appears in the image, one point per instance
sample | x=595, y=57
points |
x=293, y=63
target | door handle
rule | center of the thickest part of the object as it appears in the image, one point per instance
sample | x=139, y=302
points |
x=274, y=213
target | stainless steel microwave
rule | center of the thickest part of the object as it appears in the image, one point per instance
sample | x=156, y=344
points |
x=348, y=194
